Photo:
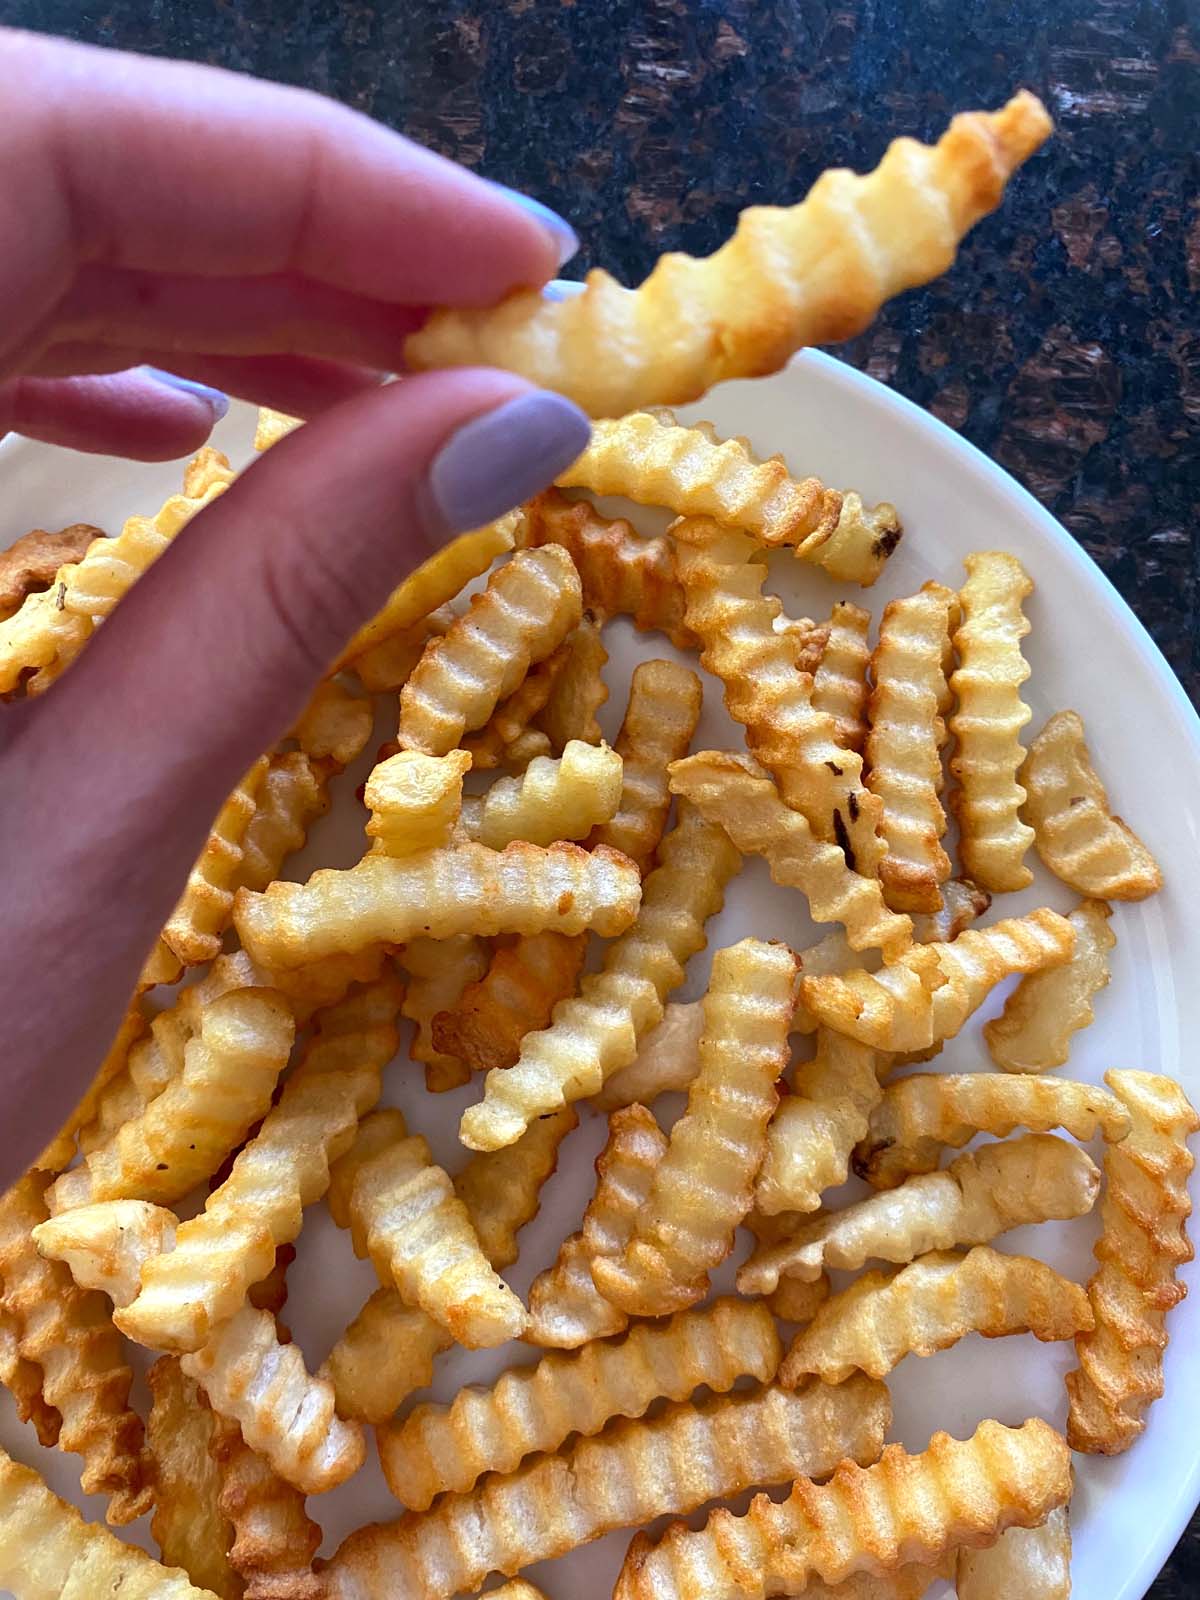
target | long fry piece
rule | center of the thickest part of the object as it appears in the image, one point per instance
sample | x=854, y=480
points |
x=811, y=274
x=188, y=1525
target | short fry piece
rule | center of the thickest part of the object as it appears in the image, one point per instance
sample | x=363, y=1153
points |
x=929, y=1306
x=193, y=930
x=704, y=1184
x=578, y=691
x=294, y=793
x=231, y=1065
x=905, y=1509
x=734, y=792
x=817, y=1126
x=927, y=995
x=1046, y=1008
x=31, y=564
x=187, y=1524
x=918, y=1116
x=515, y=996
x=465, y=889
x=1143, y=1242
x=596, y=1034
x=650, y=458
x=840, y=681
x=527, y=609
x=274, y=1541
x=1034, y=1563
x=405, y=1215
x=668, y=1060
x=1000, y=1186
x=810, y=274
x=107, y=1244
x=632, y=1472
x=863, y=539
x=335, y=725
x=563, y=798
x=415, y=801
x=904, y=761
x=566, y=1309
x=439, y=970
x=533, y=1409
x=508, y=729
x=48, y=1552
x=1075, y=831
x=988, y=720
x=502, y=1189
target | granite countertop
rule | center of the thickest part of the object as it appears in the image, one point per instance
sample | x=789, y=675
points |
x=1065, y=343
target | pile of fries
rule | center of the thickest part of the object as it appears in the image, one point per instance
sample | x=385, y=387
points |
x=468, y=916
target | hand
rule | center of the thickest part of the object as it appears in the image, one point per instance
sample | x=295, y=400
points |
x=279, y=247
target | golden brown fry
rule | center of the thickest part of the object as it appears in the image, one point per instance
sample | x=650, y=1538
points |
x=668, y=1060
x=918, y=1116
x=566, y=1309
x=906, y=1509
x=704, y=1184
x=48, y=1552
x=501, y=1189
x=433, y=584
x=106, y=1245
x=335, y=724
x=509, y=723
x=294, y=793
x=660, y=718
x=31, y=565
x=193, y=930
x=904, y=747
x=533, y=1409
x=415, y=801
x=1143, y=1242
x=1045, y=1009
x=274, y=1541
x=814, y=273
x=840, y=681
x=231, y=1065
x=23, y=1380
x=1000, y=1186
x=1034, y=1563
x=734, y=792
x=797, y=1301
x=634, y=1471
x=524, y=982
x=817, y=1126
x=385, y=668
x=596, y=1034
x=767, y=693
x=528, y=608
x=463, y=889
x=187, y=1524
x=1075, y=831
x=622, y=574
x=648, y=457
x=929, y=1306
x=67, y=1332
x=564, y=798
x=988, y=720
x=405, y=1216
x=231, y=1245
x=863, y=539
x=439, y=970
x=927, y=995
x=272, y=426
x=578, y=691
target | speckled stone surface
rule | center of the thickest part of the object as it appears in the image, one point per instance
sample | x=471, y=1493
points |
x=1066, y=342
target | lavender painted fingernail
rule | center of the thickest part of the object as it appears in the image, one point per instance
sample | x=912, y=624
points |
x=495, y=461
x=217, y=400
x=562, y=289
x=559, y=229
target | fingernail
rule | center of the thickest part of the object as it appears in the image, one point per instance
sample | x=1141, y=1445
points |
x=498, y=460
x=562, y=289
x=559, y=229
x=215, y=397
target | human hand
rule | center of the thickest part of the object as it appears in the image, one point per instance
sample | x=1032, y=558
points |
x=275, y=246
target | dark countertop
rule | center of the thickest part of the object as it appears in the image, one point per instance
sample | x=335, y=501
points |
x=1066, y=342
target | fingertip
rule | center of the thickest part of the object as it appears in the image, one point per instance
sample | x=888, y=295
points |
x=128, y=414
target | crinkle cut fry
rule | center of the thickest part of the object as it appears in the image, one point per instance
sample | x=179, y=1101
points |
x=524, y=981
x=767, y=693
x=918, y=1116
x=509, y=729
x=632, y=1472
x=31, y=565
x=534, y=1409
x=840, y=681
x=597, y=1033
x=904, y=745
x=335, y=725
x=1075, y=831
x=271, y=426
x=294, y=793
x=187, y=1524
x=734, y=792
x=982, y=1194
x=415, y=800
x=1034, y=1032
x=987, y=722
x=650, y=458
x=231, y=1245
x=578, y=691
x=814, y=273
x=439, y=972
x=60, y=1152
x=67, y=1332
x=48, y=1552
x=859, y=546
x=929, y=1306
x=566, y=1309
x=667, y=1060
x=23, y=1380
x=1143, y=1242
x=704, y=1184
x=526, y=611
x=1034, y=1563
x=554, y=798
x=273, y=1540
x=869, y=1520
x=463, y=889
x=193, y=930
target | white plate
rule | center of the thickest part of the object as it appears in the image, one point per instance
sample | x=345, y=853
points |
x=1088, y=652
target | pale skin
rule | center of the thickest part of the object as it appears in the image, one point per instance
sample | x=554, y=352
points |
x=279, y=248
